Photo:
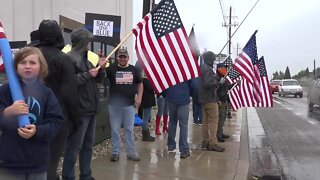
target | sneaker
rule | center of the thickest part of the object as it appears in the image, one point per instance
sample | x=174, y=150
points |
x=133, y=157
x=171, y=148
x=185, y=154
x=216, y=148
x=114, y=157
x=200, y=124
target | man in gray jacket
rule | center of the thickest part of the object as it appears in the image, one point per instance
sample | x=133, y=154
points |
x=209, y=83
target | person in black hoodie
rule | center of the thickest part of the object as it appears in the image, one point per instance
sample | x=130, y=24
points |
x=81, y=140
x=24, y=151
x=61, y=79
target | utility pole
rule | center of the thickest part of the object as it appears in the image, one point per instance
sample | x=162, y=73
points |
x=314, y=69
x=229, y=25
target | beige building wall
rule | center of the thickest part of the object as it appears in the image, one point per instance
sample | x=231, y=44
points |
x=20, y=17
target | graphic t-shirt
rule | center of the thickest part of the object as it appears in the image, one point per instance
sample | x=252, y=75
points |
x=123, y=84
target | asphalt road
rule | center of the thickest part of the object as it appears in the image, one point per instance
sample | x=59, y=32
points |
x=294, y=136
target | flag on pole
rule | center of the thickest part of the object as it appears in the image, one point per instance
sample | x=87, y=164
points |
x=266, y=96
x=162, y=46
x=244, y=62
x=234, y=94
x=193, y=44
x=2, y=35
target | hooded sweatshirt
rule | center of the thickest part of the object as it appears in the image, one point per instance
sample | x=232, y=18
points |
x=20, y=155
x=209, y=81
x=87, y=88
x=61, y=77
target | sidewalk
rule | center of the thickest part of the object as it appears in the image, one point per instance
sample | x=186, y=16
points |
x=159, y=164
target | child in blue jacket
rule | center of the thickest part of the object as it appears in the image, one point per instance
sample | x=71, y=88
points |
x=24, y=151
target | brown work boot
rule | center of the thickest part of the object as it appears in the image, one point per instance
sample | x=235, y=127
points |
x=216, y=147
x=205, y=145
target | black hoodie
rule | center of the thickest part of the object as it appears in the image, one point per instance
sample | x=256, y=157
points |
x=87, y=88
x=61, y=77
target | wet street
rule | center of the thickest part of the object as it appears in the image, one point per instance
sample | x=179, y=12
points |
x=293, y=134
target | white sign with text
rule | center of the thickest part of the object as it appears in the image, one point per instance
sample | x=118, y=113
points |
x=103, y=28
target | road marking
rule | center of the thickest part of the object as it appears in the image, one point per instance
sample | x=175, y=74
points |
x=313, y=122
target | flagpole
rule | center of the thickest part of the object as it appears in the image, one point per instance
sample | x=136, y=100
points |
x=116, y=48
x=239, y=25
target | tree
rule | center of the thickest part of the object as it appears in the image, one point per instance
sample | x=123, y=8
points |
x=276, y=75
x=287, y=74
x=281, y=75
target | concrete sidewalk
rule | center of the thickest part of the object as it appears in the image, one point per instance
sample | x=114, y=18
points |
x=157, y=163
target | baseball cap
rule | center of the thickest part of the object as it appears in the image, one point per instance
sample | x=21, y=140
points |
x=123, y=52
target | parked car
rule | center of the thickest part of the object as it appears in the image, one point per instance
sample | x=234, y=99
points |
x=274, y=85
x=314, y=95
x=290, y=87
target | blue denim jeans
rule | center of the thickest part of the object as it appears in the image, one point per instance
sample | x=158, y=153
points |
x=122, y=115
x=178, y=113
x=146, y=117
x=196, y=111
x=6, y=175
x=80, y=143
x=162, y=106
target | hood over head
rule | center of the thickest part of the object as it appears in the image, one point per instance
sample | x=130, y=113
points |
x=50, y=34
x=80, y=38
x=209, y=57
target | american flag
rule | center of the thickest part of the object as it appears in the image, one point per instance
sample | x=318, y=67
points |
x=2, y=35
x=266, y=100
x=242, y=94
x=234, y=93
x=162, y=46
x=244, y=62
x=124, y=77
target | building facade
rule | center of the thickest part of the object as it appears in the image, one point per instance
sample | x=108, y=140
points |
x=20, y=17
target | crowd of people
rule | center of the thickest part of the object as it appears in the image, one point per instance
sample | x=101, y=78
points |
x=61, y=99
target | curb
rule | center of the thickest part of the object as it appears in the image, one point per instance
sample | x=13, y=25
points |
x=242, y=170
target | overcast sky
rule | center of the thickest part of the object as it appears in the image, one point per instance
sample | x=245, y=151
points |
x=288, y=30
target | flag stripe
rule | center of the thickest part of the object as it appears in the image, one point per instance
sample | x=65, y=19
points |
x=142, y=56
x=176, y=56
x=153, y=51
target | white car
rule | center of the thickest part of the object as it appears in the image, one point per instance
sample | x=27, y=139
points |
x=290, y=87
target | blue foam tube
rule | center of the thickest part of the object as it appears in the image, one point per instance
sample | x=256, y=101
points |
x=14, y=84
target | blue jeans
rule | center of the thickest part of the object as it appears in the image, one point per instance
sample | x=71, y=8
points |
x=122, y=115
x=146, y=117
x=80, y=143
x=6, y=175
x=162, y=106
x=196, y=111
x=178, y=113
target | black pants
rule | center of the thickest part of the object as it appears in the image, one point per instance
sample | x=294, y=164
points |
x=56, y=150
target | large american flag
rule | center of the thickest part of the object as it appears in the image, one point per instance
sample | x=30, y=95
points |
x=2, y=35
x=244, y=62
x=162, y=46
x=266, y=96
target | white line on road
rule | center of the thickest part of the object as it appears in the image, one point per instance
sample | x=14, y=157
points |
x=313, y=122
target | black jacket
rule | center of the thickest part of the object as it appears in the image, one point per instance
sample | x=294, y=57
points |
x=87, y=88
x=148, y=96
x=61, y=68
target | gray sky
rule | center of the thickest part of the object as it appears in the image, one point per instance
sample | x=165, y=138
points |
x=287, y=29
